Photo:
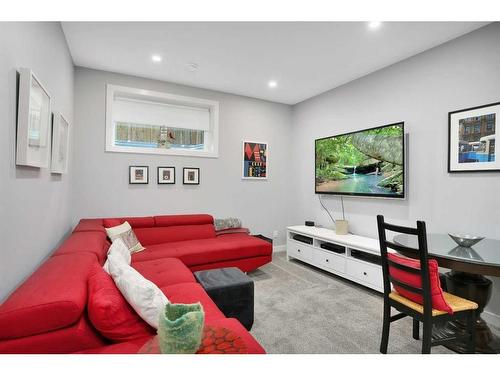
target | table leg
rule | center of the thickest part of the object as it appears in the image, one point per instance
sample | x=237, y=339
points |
x=476, y=288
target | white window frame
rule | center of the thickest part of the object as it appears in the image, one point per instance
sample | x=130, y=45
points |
x=211, y=143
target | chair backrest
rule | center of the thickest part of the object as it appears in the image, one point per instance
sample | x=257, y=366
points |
x=420, y=253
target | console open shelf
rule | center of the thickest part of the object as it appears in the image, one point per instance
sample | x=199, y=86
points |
x=355, y=258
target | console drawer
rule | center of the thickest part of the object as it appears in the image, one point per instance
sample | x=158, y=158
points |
x=366, y=273
x=299, y=251
x=330, y=260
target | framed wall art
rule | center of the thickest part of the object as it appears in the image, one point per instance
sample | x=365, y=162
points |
x=33, y=122
x=472, y=139
x=255, y=163
x=191, y=176
x=166, y=175
x=60, y=144
x=138, y=174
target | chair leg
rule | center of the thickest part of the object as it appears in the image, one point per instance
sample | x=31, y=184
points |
x=471, y=330
x=416, y=328
x=426, y=338
x=385, y=328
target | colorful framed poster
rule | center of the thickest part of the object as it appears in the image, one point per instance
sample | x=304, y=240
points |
x=191, y=176
x=255, y=165
x=166, y=175
x=472, y=139
x=138, y=174
x=33, y=122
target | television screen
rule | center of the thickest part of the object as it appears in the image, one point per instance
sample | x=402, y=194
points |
x=365, y=163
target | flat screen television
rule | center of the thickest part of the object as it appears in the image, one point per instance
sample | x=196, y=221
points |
x=368, y=162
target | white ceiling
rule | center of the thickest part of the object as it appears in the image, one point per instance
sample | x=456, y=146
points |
x=305, y=58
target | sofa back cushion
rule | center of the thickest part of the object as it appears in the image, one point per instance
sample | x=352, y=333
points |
x=158, y=235
x=135, y=222
x=110, y=313
x=176, y=220
x=85, y=242
x=53, y=297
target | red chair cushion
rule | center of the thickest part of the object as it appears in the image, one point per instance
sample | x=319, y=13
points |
x=413, y=279
x=165, y=272
x=110, y=313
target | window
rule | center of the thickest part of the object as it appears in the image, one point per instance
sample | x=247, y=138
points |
x=150, y=122
x=477, y=128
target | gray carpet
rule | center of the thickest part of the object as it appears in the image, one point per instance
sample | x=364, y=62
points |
x=301, y=309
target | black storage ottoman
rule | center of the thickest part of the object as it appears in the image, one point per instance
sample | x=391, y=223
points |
x=231, y=290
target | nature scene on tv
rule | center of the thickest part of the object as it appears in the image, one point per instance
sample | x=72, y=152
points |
x=367, y=162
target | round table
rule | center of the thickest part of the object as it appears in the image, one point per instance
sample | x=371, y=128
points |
x=469, y=266
x=215, y=340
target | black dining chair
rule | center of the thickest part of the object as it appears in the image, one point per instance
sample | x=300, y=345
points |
x=462, y=308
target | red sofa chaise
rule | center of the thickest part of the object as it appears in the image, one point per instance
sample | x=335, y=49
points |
x=47, y=313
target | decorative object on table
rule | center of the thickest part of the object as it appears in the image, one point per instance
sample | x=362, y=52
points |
x=33, y=122
x=181, y=328
x=465, y=240
x=227, y=223
x=342, y=226
x=191, y=176
x=215, y=340
x=471, y=139
x=166, y=175
x=60, y=144
x=138, y=174
x=255, y=164
x=232, y=291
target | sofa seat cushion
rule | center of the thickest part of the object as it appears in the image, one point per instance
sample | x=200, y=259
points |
x=110, y=313
x=85, y=242
x=212, y=250
x=192, y=293
x=164, y=272
x=53, y=297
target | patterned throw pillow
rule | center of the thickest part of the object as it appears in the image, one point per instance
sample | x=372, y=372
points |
x=125, y=232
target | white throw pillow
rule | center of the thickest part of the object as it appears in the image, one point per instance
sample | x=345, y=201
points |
x=146, y=298
x=120, y=251
x=125, y=232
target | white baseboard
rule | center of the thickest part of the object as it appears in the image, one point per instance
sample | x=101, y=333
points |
x=492, y=319
x=279, y=248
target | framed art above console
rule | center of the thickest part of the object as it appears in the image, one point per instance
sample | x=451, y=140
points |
x=472, y=139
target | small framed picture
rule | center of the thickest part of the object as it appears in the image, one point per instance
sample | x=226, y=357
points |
x=255, y=160
x=472, y=139
x=138, y=174
x=166, y=175
x=191, y=176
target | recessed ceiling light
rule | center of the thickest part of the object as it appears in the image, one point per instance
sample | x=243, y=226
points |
x=272, y=84
x=156, y=58
x=374, y=24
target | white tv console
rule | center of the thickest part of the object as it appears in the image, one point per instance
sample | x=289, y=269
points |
x=357, y=263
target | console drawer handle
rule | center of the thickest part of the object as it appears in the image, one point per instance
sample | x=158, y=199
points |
x=364, y=273
x=327, y=260
x=298, y=250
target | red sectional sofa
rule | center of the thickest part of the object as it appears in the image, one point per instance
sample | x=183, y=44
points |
x=48, y=312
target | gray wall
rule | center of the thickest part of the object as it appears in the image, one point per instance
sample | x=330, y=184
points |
x=419, y=91
x=100, y=186
x=34, y=205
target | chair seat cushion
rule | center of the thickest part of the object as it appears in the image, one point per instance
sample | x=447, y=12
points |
x=164, y=272
x=456, y=303
x=211, y=250
x=192, y=293
x=415, y=280
x=110, y=313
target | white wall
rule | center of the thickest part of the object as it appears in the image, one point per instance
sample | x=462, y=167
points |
x=101, y=187
x=419, y=91
x=34, y=214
